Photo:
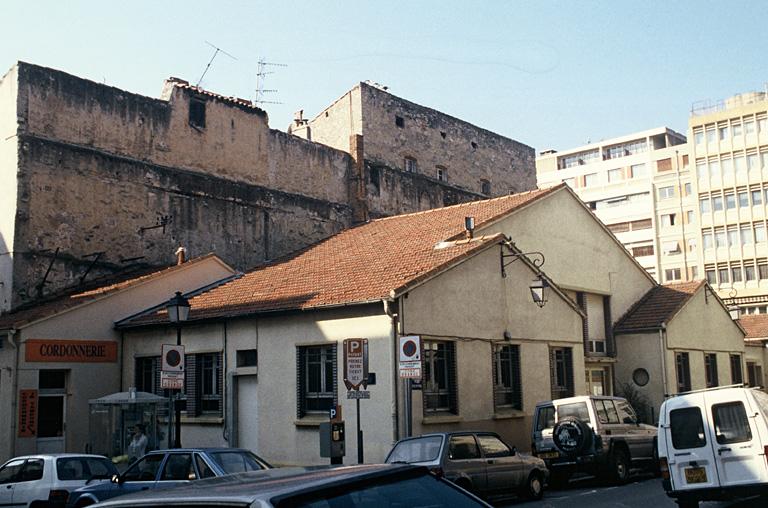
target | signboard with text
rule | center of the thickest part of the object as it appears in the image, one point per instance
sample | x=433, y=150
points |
x=355, y=363
x=27, y=413
x=409, y=361
x=72, y=351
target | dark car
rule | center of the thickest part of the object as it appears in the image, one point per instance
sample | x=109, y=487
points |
x=479, y=462
x=380, y=486
x=169, y=468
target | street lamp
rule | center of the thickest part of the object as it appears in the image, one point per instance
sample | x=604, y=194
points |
x=540, y=286
x=539, y=291
x=178, y=312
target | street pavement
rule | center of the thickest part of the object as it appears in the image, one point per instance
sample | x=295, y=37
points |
x=643, y=491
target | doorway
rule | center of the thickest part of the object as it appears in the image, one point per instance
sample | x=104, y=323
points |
x=51, y=411
x=247, y=413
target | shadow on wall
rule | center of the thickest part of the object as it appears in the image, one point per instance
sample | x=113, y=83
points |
x=6, y=275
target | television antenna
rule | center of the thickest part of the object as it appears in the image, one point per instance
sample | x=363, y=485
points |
x=261, y=74
x=218, y=50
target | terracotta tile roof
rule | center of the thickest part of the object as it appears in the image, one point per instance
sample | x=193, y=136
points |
x=362, y=264
x=180, y=83
x=657, y=306
x=756, y=326
x=94, y=289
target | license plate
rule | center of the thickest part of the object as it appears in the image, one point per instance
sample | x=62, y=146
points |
x=695, y=475
x=549, y=455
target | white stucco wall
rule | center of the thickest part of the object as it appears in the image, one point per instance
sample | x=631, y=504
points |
x=9, y=145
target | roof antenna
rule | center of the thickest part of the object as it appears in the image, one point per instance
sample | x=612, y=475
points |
x=218, y=50
x=260, y=77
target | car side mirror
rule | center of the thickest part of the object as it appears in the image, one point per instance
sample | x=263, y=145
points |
x=115, y=478
x=514, y=451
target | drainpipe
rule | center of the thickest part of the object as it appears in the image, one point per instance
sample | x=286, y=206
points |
x=663, y=357
x=395, y=377
x=13, y=336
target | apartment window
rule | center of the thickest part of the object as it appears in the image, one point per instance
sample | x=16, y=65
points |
x=749, y=273
x=691, y=244
x=410, y=164
x=704, y=205
x=743, y=200
x=442, y=174
x=645, y=250
x=757, y=197
x=639, y=171
x=689, y=216
x=710, y=136
x=720, y=240
x=711, y=276
x=687, y=187
x=672, y=274
x=759, y=233
x=708, y=240
x=730, y=201
x=590, y=179
x=752, y=162
x=698, y=137
x=664, y=165
x=316, y=375
x=620, y=227
x=736, y=130
x=762, y=125
x=717, y=203
x=439, y=386
x=723, y=133
x=723, y=275
x=727, y=166
x=736, y=274
x=762, y=272
x=615, y=175
x=507, y=388
x=208, y=383
x=683, y=368
x=668, y=219
x=738, y=162
x=710, y=369
x=399, y=121
x=197, y=113
x=666, y=192
x=701, y=170
x=737, y=376
x=485, y=187
x=749, y=127
x=714, y=169
x=746, y=235
x=733, y=237
x=561, y=372
x=671, y=248
x=637, y=225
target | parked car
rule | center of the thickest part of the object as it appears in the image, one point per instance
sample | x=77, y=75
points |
x=382, y=486
x=591, y=434
x=168, y=468
x=50, y=478
x=713, y=445
x=479, y=462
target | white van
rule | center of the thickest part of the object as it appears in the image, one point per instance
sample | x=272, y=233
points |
x=713, y=444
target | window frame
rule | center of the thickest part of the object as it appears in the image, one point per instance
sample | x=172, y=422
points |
x=440, y=380
x=507, y=363
x=683, y=371
x=328, y=355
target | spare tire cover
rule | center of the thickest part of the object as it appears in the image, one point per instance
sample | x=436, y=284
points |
x=571, y=436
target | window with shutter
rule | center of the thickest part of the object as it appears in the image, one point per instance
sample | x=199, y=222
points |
x=316, y=376
x=439, y=386
x=561, y=372
x=507, y=392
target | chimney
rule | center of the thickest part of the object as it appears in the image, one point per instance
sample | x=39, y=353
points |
x=469, y=226
x=181, y=255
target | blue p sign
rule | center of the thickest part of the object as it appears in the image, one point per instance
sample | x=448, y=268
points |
x=332, y=412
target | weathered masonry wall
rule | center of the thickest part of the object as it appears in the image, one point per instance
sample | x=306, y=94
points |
x=84, y=201
x=467, y=153
x=8, y=185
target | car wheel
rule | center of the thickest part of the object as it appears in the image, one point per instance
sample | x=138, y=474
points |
x=84, y=502
x=534, y=486
x=655, y=464
x=619, y=466
x=688, y=503
x=559, y=479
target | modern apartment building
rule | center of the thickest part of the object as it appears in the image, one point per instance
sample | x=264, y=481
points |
x=729, y=147
x=640, y=187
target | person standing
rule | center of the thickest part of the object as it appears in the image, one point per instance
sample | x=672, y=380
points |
x=138, y=446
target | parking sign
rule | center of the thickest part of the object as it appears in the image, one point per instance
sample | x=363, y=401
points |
x=355, y=363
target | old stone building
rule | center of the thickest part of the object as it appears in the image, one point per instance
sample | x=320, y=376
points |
x=404, y=151
x=95, y=180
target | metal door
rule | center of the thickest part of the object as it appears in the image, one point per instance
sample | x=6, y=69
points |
x=247, y=413
x=689, y=449
x=734, y=435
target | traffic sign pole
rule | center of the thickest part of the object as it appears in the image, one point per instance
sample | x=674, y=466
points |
x=359, y=435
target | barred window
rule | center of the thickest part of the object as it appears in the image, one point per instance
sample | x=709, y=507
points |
x=507, y=388
x=737, y=376
x=209, y=384
x=439, y=385
x=710, y=369
x=683, y=369
x=316, y=374
x=561, y=372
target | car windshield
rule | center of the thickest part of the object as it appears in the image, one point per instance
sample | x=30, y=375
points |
x=236, y=461
x=84, y=468
x=423, y=449
x=422, y=492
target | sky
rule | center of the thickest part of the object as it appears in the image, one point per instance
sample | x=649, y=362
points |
x=549, y=74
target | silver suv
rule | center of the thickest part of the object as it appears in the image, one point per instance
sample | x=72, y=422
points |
x=591, y=434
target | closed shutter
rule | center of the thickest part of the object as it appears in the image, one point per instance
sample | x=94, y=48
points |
x=192, y=385
x=568, y=358
x=300, y=367
x=220, y=383
x=156, y=366
x=333, y=352
x=495, y=370
x=610, y=340
x=553, y=373
x=581, y=301
x=517, y=400
x=453, y=387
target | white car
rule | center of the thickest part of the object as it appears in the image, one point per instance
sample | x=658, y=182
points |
x=50, y=478
x=713, y=444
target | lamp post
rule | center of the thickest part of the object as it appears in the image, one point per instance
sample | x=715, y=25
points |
x=178, y=312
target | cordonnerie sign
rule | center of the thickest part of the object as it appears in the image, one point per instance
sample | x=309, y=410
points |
x=74, y=351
